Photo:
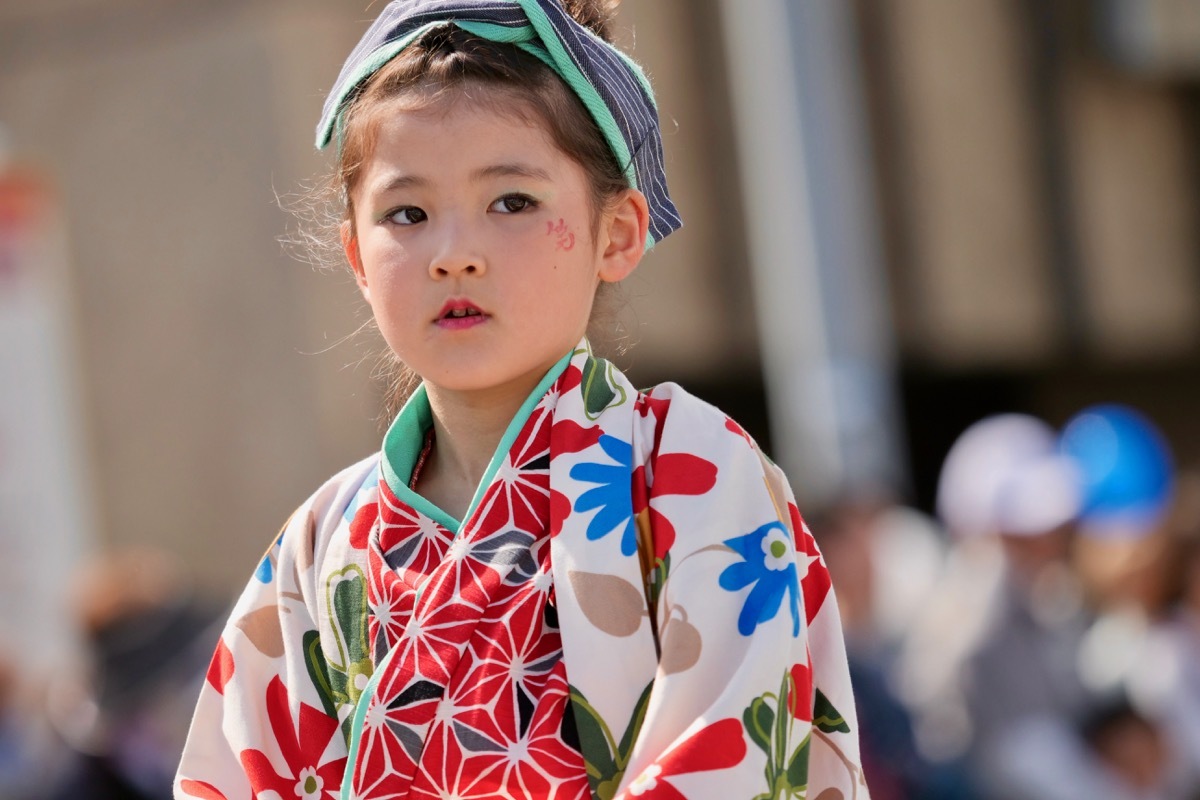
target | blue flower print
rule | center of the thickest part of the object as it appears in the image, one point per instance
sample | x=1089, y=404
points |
x=612, y=495
x=266, y=569
x=770, y=565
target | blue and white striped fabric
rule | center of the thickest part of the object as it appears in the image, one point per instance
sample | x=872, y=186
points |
x=612, y=87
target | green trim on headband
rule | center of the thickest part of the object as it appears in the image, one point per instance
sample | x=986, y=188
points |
x=550, y=52
x=565, y=67
x=539, y=39
x=494, y=32
x=369, y=67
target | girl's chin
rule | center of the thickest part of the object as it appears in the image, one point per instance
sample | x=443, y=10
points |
x=484, y=382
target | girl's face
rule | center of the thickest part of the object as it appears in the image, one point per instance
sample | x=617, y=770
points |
x=472, y=243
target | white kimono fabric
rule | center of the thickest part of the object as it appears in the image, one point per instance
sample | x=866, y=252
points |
x=690, y=642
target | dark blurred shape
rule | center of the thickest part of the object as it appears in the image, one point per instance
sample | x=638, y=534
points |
x=1006, y=625
x=858, y=537
x=149, y=641
x=1131, y=748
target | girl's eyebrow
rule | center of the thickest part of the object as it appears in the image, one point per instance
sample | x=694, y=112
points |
x=509, y=170
x=402, y=182
x=512, y=170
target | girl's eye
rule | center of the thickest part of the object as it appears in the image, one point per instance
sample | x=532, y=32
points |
x=409, y=215
x=514, y=204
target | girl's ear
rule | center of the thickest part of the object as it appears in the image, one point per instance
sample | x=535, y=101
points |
x=623, y=235
x=350, y=248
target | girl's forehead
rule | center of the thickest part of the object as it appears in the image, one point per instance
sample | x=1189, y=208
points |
x=467, y=141
x=463, y=129
x=449, y=104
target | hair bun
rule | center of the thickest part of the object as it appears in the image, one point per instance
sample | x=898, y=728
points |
x=596, y=15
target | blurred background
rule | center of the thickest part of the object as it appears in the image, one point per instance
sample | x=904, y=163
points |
x=902, y=217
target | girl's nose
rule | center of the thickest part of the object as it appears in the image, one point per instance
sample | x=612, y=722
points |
x=456, y=255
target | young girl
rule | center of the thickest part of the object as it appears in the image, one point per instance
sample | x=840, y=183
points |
x=547, y=584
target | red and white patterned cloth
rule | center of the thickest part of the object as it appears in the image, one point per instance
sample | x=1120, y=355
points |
x=632, y=608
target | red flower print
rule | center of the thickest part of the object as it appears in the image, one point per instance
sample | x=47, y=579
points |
x=302, y=747
x=815, y=583
x=673, y=474
x=646, y=405
x=560, y=509
x=220, y=670
x=800, y=699
x=200, y=790
x=733, y=427
x=721, y=745
x=571, y=377
x=361, y=525
x=568, y=436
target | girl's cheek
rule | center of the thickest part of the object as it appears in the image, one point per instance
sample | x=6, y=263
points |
x=561, y=234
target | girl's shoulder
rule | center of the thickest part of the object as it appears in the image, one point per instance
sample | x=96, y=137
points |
x=669, y=405
x=344, y=490
x=327, y=512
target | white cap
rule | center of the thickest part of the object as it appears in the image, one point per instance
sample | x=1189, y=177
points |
x=1004, y=474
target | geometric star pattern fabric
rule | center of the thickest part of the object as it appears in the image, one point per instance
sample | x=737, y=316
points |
x=632, y=607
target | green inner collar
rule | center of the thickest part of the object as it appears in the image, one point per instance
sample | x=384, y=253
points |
x=403, y=442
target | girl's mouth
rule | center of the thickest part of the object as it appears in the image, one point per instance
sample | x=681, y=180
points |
x=458, y=314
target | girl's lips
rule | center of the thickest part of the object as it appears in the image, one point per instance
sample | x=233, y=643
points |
x=460, y=314
x=460, y=323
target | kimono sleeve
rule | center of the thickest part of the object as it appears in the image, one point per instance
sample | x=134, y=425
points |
x=261, y=724
x=752, y=696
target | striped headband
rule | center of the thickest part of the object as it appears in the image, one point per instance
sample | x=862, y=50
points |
x=612, y=87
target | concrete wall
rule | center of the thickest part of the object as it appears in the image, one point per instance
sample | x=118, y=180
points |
x=217, y=390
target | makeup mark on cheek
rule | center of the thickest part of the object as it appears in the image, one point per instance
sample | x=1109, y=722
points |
x=565, y=239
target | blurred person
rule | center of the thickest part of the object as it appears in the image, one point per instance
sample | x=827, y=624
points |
x=1168, y=684
x=1174, y=688
x=884, y=558
x=1138, y=532
x=125, y=720
x=28, y=751
x=992, y=668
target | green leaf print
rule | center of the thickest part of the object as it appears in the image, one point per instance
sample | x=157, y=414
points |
x=318, y=672
x=346, y=600
x=599, y=390
x=797, y=769
x=826, y=718
x=759, y=719
x=635, y=725
x=769, y=724
x=604, y=758
x=331, y=684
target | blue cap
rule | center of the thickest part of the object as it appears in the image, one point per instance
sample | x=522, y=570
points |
x=1126, y=466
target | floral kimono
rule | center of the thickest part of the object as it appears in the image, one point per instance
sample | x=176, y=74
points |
x=631, y=608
